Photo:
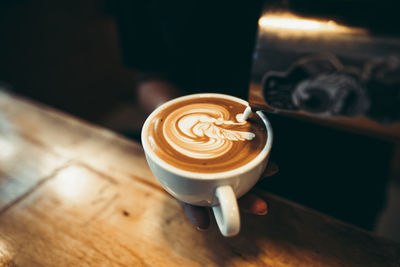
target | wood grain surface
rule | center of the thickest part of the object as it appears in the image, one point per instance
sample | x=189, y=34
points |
x=73, y=194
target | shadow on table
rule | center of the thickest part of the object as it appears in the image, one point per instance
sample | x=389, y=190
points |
x=208, y=247
x=288, y=235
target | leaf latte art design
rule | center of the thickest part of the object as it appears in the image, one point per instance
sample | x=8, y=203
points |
x=203, y=130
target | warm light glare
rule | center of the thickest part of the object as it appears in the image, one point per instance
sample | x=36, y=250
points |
x=290, y=22
x=9, y=140
x=7, y=149
x=4, y=251
x=72, y=183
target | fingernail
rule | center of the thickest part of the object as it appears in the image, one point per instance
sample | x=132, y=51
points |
x=262, y=212
x=201, y=229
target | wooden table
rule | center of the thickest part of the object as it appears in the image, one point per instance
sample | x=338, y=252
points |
x=74, y=194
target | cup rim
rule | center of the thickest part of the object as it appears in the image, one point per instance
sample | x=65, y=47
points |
x=198, y=175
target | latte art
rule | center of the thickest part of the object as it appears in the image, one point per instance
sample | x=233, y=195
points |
x=200, y=131
x=206, y=135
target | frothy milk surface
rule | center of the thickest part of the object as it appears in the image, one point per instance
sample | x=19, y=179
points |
x=204, y=135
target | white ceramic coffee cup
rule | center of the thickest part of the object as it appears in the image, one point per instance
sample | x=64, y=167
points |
x=219, y=190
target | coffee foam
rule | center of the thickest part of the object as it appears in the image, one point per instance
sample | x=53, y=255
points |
x=197, y=131
x=205, y=135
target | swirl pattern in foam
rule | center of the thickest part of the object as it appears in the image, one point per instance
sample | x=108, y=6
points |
x=196, y=130
x=204, y=135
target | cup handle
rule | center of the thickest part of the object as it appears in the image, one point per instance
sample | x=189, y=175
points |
x=227, y=212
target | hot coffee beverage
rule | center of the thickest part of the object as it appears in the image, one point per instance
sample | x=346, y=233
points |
x=206, y=134
x=205, y=150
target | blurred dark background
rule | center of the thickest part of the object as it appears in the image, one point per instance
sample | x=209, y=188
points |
x=83, y=57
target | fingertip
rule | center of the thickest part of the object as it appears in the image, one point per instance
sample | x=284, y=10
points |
x=260, y=207
x=253, y=204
